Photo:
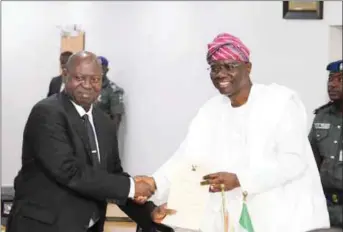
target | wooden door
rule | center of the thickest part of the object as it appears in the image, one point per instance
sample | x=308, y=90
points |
x=73, y=43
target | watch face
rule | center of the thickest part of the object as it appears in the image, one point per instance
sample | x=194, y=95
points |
x=6, y=209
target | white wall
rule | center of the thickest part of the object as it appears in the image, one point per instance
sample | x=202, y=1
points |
x=157, y=54
x=333, y=12
x=335, y=43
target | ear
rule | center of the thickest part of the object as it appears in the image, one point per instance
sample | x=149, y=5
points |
x=248, y=67
x=64, y=72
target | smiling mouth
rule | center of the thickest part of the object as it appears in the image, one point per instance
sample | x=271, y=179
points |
x=85, y=95
x=334, y=92
x=224, y=84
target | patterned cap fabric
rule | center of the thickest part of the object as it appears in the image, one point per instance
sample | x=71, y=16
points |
x=227, y=47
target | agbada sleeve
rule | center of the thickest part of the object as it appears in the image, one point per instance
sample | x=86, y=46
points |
x=195, y=139
x=290, y=161
x=163, y=175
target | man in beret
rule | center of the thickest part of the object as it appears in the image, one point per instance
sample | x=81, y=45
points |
x=110, y=99
x=326, y=141
x=253, y=138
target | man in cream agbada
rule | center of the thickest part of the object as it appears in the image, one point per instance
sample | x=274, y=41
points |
x=255, y=138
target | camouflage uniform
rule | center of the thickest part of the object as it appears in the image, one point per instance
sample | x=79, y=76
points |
x=111, y=100
x=326, y=141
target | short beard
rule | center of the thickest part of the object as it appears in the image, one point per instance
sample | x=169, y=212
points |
x=242, y=85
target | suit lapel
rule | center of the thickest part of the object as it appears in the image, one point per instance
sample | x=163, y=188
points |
x=76, y=122
x=100, y=129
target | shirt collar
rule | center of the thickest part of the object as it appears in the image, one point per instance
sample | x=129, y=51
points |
x=334, y=109
x=81, y=111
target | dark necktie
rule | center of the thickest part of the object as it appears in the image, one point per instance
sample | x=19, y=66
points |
x=92, y=143
x=94, y=155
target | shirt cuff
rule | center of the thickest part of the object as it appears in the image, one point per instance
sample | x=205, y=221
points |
x=132, y=188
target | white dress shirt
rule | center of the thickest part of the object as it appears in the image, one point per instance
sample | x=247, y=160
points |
x=82, y=112
x=62, y=86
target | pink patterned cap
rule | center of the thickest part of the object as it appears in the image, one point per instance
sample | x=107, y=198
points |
x=227, y=47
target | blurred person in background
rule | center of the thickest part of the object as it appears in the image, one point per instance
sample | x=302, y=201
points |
x=57, y=83
x=111, y=99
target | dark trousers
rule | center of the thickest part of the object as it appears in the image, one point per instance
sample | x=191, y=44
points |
x=336, y=215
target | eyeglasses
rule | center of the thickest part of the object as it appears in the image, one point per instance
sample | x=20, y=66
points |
x=228, y=67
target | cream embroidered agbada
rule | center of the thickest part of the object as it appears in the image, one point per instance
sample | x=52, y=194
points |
x=265, y=143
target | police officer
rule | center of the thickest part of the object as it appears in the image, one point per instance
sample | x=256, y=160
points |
x=111, y=97
x=326, y=141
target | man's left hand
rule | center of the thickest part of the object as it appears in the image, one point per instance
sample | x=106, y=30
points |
x=160, y=212
x=228, y=180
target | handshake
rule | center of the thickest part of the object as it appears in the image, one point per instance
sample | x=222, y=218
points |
x=145, y=187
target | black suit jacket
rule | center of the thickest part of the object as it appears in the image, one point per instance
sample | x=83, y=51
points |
x=55, y=85
x=57, y=188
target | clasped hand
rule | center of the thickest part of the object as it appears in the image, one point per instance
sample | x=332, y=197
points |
x=145, y=187
x=218, y=180
x=160, y=212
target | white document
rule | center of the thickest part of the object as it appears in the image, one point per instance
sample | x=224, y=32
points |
x=187, y=197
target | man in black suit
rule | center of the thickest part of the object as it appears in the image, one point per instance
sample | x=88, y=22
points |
x=70, y=162
x=57, y=84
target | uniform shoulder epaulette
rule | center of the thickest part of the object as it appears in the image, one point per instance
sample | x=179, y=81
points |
x=322, y=107
x=113, y=85
x=116, y=88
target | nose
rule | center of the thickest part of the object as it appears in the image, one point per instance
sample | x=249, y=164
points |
x=86, y=84
x=334, y=84
x=222, y=74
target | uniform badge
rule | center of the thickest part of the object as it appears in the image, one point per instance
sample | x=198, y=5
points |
x=99, y=98
x=324, y=126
